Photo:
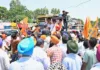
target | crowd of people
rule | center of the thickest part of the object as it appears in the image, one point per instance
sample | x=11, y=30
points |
x=49, y=48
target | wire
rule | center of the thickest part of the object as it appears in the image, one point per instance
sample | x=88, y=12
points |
x=83, y=3
x=79, y=4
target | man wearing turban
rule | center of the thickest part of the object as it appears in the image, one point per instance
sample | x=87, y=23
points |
x=55, y=52
x=72, y=61
x=26, y=48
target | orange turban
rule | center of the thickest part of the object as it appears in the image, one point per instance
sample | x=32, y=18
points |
x=54, y=39
x=43, y=37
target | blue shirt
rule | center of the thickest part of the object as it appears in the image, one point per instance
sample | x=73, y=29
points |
x=72, y=62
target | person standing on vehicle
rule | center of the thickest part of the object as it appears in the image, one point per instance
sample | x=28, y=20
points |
x=65, y=18
x=49, y=24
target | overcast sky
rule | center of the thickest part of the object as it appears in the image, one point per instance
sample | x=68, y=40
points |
x=89, y=8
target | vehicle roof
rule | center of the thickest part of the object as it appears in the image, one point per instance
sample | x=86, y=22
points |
x=45, y=16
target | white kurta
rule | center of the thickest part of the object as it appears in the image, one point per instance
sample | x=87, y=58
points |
x=96, y=66
x=46, y=43
x=64, y=49
x=4, y=60
x=40, y=55
x=82, y=49
x=26, y=63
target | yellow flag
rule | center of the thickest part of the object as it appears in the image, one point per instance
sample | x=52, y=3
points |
x=25, y=20
x=87, y=28
x=95, y=29
x=13, y=24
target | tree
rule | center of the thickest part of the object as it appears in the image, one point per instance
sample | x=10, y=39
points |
x=36, y=13
x=42, y=11
x=81, y=21
x=3, y=13
x=46, y=11
x=14, y=4
x=55, y=11
x=18, y=12
x=29, y=13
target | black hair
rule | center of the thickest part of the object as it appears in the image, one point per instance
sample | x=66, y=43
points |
x=64, y=41
x=60, y=19
x=14, y=35
x=81, y=39
x=70, y=38
x=63, y=11
x=39, y=42
x=51, y=44
x=58, y=35
x=85, y=43
x=53, y=20
x=39, y=35
x=44, y=32
x=92, y=42
x=20, y=28
x=48, y=18
x=45, y=26
x=37, y=26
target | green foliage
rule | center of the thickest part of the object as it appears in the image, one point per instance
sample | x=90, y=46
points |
x=55, y=11
x=81, y=21
x=42, y=11
x=3, y=13
x=14, y=4
x=18, y=12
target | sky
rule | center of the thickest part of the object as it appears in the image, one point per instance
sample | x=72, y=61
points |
x=88, y=8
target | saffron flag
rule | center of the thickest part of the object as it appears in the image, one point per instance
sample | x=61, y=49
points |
x=23, y=32
x=24, y=23
x=25, y=20
x=95, y=29
x=87, y=28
